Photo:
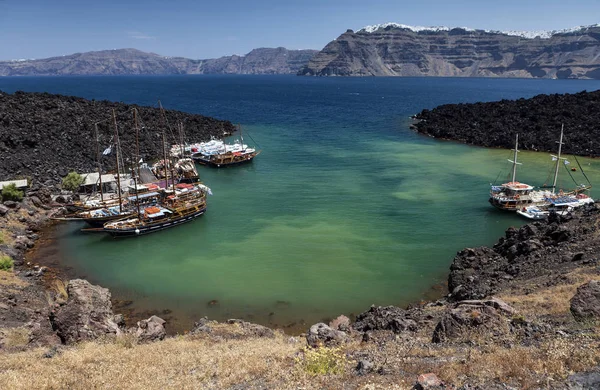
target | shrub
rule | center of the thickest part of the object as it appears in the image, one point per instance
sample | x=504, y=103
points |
x=72, y=181
x=323, y=361
x=6, y=263
x=10, y=192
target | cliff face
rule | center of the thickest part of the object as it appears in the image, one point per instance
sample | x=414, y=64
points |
x=136, y=62
x=397, y=50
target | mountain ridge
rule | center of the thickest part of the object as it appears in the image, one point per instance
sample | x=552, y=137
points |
x=131, y=61
x=393, y=49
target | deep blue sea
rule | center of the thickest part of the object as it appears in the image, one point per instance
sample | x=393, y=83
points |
x=345, y=207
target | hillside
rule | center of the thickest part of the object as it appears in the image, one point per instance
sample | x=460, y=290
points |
x=398, y=50
x=136, y=62
x=537, y=121
x=45, y=136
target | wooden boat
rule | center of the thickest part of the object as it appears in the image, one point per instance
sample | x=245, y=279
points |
x=516, y=196
x=220, y=154
x=183, y=206
x=226, y=159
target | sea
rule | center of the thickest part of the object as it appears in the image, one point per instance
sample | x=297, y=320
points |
x=346, y=206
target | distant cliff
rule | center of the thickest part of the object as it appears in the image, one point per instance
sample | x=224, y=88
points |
x=136, y=62
x=398, y=50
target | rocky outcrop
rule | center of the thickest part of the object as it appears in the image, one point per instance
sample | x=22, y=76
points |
x=150, y=330
x=385, y=318
x=44, y=136
x=135, y=62
x=232, y=329
x=537, y=250
x=537, y=121
x=396, y=50
x=463, y=317
x=585, y=304
x=321, y=334
x=86, y=315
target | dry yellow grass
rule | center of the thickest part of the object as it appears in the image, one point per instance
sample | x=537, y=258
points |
x=9, y=279
x=553, y=300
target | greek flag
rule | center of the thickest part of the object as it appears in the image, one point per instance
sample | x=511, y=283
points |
x=567, y=162
x=107, y=151
x=554, y=158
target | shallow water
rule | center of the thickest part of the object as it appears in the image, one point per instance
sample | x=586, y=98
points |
x=346, y=207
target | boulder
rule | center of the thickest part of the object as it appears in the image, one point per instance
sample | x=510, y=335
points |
x=428, y=382
x=151, y=329
x=385, y=318
x=233, y=329
x=585, y=304
x=341, y=323
x=489, y=315
x=11, y=204
x=3, y=210
x=322, y=335
x=86, y=315
x=364, y=367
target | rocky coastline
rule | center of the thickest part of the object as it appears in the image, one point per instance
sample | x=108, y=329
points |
x=537, y=120
x=531, y=296
x=45, y=136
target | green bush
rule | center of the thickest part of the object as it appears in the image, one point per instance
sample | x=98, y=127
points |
x=6, y=263
x=72, y=181
x=10, y=192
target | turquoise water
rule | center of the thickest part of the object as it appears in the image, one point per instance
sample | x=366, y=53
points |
x=346, y=207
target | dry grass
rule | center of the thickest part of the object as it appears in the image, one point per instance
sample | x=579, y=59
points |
x=60, y=288
x=9, y=279
x=174, y=363
x=553, y=300
x=14, y=337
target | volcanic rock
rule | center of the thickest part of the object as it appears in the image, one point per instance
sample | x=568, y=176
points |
x=42, y=135
x=151, y=329
x=537, y=121
x=467, y=315
x=585, y=304
x=322, y=335
x=385, y=318
x=86, y=315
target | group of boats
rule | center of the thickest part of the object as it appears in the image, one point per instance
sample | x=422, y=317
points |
x=537, y=203
x=151, y=199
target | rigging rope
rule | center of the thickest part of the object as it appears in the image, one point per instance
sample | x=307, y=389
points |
x=581, y=168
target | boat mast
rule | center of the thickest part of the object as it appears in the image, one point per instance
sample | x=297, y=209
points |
x=117, y=158
x=164, y=141
x=137, y=161
x=560, y=143
x=98, y=161
x=514, y=161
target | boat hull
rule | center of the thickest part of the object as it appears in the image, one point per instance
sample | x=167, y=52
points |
x=213, y=164
x=154, y=227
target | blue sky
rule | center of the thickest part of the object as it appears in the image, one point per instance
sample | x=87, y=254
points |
x=208, y=29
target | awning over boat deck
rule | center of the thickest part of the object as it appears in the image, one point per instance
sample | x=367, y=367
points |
x=563, y=201
x=143, y=196
x=161, y=213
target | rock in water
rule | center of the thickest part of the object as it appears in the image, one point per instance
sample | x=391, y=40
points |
x=585, y=304
x=86, y=315
x=322, y=335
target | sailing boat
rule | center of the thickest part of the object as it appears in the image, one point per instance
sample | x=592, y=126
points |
x=177, y=204
x=514, y=195
x=561, y=203
x=219, y=154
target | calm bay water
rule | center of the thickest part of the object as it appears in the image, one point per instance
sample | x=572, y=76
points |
x=346, y=207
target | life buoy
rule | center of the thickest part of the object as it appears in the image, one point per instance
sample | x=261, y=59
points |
x=517, y=197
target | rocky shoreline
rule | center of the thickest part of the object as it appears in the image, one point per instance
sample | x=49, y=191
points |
x=537, y=121
x=45, y=136
x=507, y=298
